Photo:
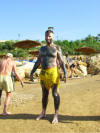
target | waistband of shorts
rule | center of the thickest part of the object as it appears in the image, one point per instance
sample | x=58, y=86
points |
x=5, y=75
x=50, y=68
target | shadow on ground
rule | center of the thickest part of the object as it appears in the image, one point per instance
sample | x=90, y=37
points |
x=49, y=117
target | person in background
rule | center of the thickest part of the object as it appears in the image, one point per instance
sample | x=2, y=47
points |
x=68, y=60
x=73, y=66
x=48, y=58
x=7, y=66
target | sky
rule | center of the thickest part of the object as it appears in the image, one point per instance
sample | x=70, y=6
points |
x=29, y=19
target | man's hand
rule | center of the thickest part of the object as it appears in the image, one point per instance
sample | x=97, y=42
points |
x=22, y=84
x=31, y=77
x=65, y=78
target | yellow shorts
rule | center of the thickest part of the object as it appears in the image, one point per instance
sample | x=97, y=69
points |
x=49, y=77
x=6, y=83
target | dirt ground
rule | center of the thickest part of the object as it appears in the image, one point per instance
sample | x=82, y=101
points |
x=79, y=109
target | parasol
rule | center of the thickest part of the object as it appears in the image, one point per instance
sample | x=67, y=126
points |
x=34, y=52
x=2, y=55
x=27, y=44
x=50, y=28
x=86, y=50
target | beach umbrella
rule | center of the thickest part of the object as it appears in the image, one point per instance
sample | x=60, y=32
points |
x=50, y=28
x=86, y=50
x=27, y=44
x=2, y=55
x=35, y=53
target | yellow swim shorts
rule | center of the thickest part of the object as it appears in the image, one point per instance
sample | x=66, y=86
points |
x=49, y=77
x=6, y=83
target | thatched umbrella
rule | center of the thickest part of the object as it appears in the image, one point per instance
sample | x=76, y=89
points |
x=2, y=55
x=27, y=44
x=86, y=50
x=50, y=28
x=35, y=53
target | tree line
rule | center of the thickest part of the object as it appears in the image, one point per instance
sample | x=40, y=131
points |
x=66, y=46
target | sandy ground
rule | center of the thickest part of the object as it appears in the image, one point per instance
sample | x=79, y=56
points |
x=79, y=109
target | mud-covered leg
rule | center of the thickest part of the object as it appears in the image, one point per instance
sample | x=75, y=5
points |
x=56, y=103
x=45, y=93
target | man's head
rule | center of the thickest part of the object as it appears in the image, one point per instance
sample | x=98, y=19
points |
x=9, y=55
x=49, y=35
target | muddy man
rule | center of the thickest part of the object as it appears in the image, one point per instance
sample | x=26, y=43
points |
x=49, y=57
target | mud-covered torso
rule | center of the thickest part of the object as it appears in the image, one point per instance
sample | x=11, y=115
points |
x=48, y=56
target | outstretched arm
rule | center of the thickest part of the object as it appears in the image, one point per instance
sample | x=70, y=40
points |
x=62, y=64
x=17, y=75
x=36, y=65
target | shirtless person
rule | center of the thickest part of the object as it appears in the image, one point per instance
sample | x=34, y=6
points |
x=6, y=67
x=49, y=56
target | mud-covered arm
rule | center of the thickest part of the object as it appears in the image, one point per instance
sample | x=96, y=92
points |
x=62, y=64
x=36, y=65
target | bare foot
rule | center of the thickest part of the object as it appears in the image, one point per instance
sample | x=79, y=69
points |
x=55, y=119
x=42, y=115
x=6, y=113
